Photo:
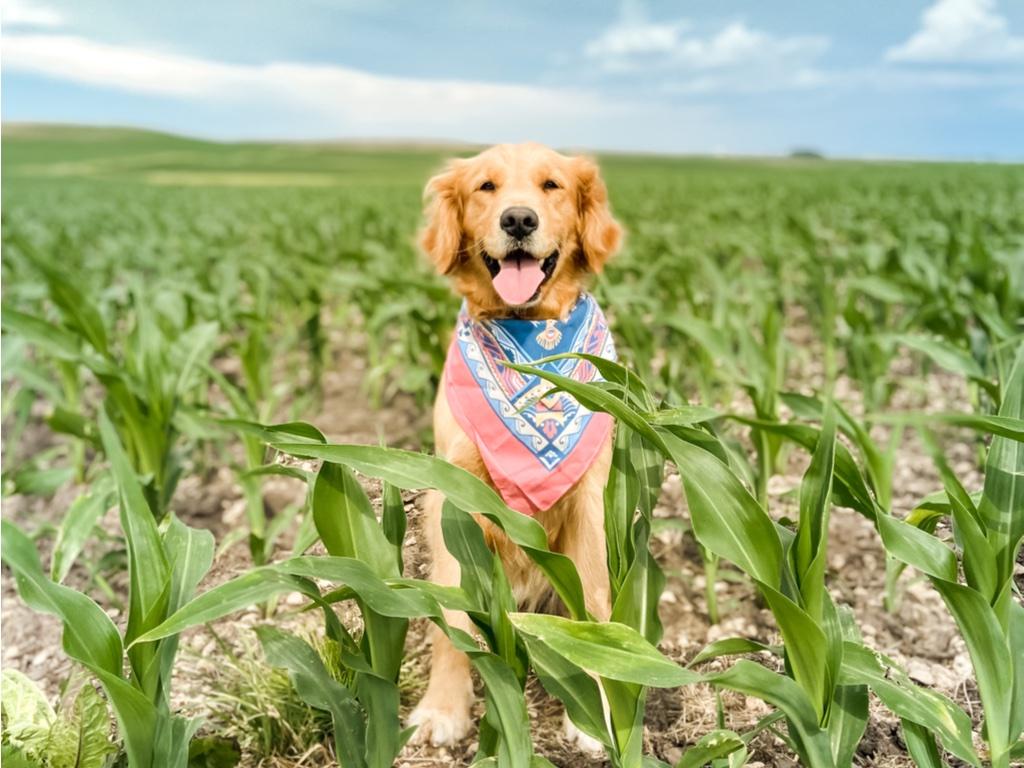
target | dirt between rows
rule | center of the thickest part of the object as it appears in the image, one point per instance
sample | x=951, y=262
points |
x=918, y=633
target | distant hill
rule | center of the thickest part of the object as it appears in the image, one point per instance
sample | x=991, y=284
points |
x=46, y=153
x=107, y=133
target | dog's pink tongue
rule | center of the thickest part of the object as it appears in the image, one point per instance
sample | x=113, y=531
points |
x=518, y=279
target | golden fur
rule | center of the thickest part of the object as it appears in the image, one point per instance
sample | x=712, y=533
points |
x=571, y=201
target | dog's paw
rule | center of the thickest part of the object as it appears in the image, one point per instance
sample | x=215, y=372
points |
x=575, y=736
x=441, y=726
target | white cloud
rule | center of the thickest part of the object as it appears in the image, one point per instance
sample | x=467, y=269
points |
x=24, y=13
x=324, y=100
x=960, y=31
x=332, y=89
x=738, y=45
x=637, y=38
x=736, y=57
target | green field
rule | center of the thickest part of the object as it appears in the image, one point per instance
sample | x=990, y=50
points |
x=818, y=345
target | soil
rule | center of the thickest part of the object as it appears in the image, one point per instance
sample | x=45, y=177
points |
x=918, y=632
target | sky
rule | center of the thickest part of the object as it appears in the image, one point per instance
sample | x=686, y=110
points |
x=903, y=78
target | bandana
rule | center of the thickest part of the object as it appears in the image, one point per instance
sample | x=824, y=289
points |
x=535, y=446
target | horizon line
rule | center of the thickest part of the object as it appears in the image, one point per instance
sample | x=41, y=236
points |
x=814, y=153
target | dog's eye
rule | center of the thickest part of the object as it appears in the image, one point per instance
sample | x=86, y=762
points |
x=550, y=184
x=487, y=186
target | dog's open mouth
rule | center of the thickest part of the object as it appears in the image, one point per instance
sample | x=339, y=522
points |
x=519, y=277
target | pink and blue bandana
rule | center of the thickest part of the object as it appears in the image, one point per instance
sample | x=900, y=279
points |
x=535, y=446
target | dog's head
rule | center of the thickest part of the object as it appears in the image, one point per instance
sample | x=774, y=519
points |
x=519, y=228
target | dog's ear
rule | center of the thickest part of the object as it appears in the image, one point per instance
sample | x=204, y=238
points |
x=599, y=233
x=441, y=239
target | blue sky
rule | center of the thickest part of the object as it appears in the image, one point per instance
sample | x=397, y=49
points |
x=905, y=78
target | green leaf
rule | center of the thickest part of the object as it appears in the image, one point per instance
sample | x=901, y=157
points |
x=190, y=555
x=848, y=719
x=610, y=650
x=293, y=432
x=621, y=497
x=945, y=354
x=464, y=539
x=51, y=339
x=921, y=745
x=384, y=734
x=568, y=683
x=1008, y=426
x=636, y=604
x=849, y=488
x=754, y=680
x=731, y=646
x=77, y=526
x=979, y=561
x=596, y=399
x=711, y=746
x=393, y=520
x=990, y=656
x=1002, y=501
x=923, y=706
x=256, y=586
x=726, y=518
x=317, y=688
x=89, y=637
x=805, y=646
x=36, y=481
x=809, y=551
x=91, y=724
x=411, y=471
x=506, y=710
x=683, y=415
x=77, y=310
x=149, y=574
x=346, y=522
x=89, y=634
x=27, y=715
x=407, y=599
x=917, y=548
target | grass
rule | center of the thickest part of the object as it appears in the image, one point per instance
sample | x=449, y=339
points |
x=169, y=305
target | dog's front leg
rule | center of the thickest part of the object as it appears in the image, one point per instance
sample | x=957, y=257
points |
x=584, y=544
x=443, y=714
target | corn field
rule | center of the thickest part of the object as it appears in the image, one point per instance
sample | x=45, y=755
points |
x=809, y=349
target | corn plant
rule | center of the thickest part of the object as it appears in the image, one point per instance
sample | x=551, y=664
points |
x=348, y=525
x=823, y=694
x=989, y=615
x=145, y=383
x=164, y=568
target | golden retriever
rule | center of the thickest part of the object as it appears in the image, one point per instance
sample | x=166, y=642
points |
x=514, y=201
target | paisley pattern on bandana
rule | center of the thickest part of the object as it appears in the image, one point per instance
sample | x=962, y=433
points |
x=535, y=445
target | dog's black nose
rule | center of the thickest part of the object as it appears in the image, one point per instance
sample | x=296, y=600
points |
x=519, y=221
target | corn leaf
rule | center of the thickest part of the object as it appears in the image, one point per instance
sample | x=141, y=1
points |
x=568, y=683
x=89, y=637
x=410, y=471
x=149, y=574
x=1002, y=501
x=506, y=710
x=754, y=680
x=610, y=650
x=726, y=518
x=77, y=526
x=923, y=706
x=317, y=688
x=711, y=746
x=346, y=521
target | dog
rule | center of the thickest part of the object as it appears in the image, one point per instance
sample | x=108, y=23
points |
x=520, y=230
